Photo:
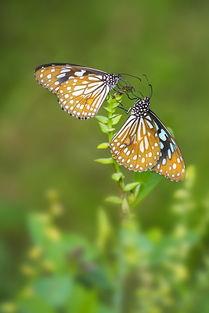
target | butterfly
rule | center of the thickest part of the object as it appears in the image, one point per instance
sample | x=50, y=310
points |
x=144, y=143
x=80, y=90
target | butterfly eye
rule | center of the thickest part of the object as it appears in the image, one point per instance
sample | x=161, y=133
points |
x=80, y=90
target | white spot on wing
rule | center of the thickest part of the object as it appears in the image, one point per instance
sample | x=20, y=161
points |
x=146, y=142
x=80, y=73
x=77, y=92
x=162, y=135
x=141, y=146
x=61, y=75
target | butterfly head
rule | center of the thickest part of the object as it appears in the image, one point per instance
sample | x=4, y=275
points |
x=112, y=79
x=141, y=107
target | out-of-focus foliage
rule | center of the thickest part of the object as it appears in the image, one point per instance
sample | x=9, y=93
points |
x=129, y=269
x=125, y=270
x=72, y=256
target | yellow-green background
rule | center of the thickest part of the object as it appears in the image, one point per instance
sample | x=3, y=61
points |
x=43, y=149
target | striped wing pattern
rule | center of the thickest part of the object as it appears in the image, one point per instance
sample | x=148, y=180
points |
x=136, y=146
x=80, y=90
x=143, y=143
x=171, y=163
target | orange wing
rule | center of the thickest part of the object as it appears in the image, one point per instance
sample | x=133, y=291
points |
x=173, y=167
x=171, y=163
x=136, y=146
x=80, y=90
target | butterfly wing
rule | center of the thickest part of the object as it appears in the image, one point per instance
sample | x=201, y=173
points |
x=171, y=163
x=80, y=90
x=136, y=146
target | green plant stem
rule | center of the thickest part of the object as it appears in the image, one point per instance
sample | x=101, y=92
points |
x=129, y=194
x=121, y=183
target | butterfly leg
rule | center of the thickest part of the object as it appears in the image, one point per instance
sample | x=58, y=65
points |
x=127, y=90
x=122, y=108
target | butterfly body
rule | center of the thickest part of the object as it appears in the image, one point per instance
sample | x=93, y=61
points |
x=141, y=107
x=80, y=90
x=143, y=143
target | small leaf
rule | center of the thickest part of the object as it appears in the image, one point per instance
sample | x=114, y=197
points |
x=104, y=229
x=114, y=104
x=117, y=97
x=105, y=129
x=117, y=176
x=136, y=190
x=148, y=182
x=125, y=206
x=114, y=101
x=133, y=195
x=114, y=199
x=116, y=119
x=103, y=145
x=110, y=109
x=130, y=186
x=104, y=161
x=102, y=119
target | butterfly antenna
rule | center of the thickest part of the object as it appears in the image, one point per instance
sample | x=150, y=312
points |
x=132, y=88
x=149, y=84
x=134, y=76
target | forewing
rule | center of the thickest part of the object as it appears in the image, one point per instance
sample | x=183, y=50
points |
x=80, y=90
x=171, y=163
x=136, y=146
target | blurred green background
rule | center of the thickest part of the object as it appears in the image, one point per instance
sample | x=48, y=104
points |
x=47, y=166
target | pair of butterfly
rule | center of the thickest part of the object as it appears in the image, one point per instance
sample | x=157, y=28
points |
x=143, y=143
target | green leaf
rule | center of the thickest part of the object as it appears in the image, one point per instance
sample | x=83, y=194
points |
x=131, y=186
x=105, y=161
x=148, y=182
x=110, y=109
x=104, y=229
x=134, y=194
x=116, y=119
x=102, y=119
x=104, y=145
x=117, y=97
x=114, y=199
x=117, y=176
x=114, y=100
x=105, y=129
x=114, y=104
x=136, y=190
x=125, y=206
